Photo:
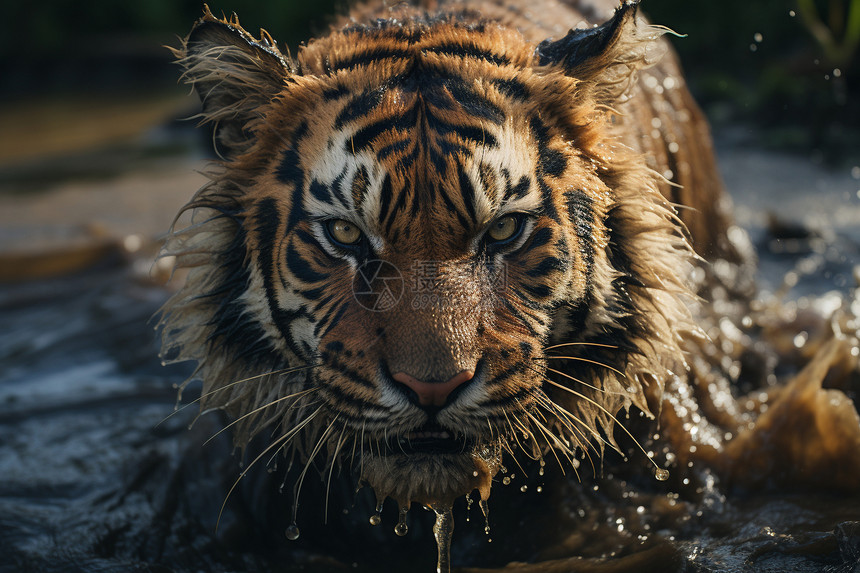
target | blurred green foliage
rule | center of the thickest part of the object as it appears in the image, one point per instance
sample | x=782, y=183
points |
x=789, y=65
x=764, y=62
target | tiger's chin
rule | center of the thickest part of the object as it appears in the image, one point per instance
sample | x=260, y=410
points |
x=432, y=478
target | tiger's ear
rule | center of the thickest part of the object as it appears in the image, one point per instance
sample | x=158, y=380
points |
x=234, y=74
x=586, y=52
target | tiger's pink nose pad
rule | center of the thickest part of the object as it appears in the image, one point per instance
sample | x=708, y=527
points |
x=433, y=393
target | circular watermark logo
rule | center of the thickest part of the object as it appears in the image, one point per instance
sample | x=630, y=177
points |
x=378, y=285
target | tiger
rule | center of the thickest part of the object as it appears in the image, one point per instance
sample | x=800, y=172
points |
x=443, y=236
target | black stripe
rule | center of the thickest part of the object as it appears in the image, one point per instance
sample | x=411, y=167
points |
x=349, y=373
x=552, y=161
x=464, y=223
x=289, y=171
x=337, y=188
x=365, y=136
x=468, y=51
x=580, y=208
x=540, y=237
x=267, y=226
x=385, y=194
x=545, y=267
x=472, y=103
x=518, y=314
x=398, y=206
x=468, y=133
x=330, y=320
x=547, y=200
x=538, y=291
x=368, y=57
x=520, y=190
x=320, y=192
x=300, y=268
x=335, y=93
x=395, y=147
x=358, y=188
x=512, y=87
x=467, y=190
x=359, y=106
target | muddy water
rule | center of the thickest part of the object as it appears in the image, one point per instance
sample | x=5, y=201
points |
x=764, y=462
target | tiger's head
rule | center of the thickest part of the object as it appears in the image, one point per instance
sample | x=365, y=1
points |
x=425, y=246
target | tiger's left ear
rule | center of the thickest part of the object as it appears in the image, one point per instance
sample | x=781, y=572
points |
x=235, y=76
x=583, y=53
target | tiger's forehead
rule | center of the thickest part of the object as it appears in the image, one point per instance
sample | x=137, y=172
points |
x=420, y=131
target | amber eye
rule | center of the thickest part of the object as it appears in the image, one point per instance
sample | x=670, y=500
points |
x=504, y=228
x=344, y=232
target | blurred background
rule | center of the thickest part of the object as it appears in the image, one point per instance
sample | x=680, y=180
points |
x=96, y=158
x=93, y=146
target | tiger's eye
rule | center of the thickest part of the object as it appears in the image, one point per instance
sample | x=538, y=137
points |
x=503, y=228
x=344, y=231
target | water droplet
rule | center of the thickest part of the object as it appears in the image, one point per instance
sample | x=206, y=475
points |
x=506, y=480
x=837, y=72
x=855, y=172
x=758, y=37
x=540, y=471
x=539, y=489
x=375, y=519
x=293, y=532
x=401, y=528
x=792, y=13
x=661, y=474
x=524, y=488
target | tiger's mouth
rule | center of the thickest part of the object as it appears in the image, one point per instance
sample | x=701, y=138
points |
x=431, y=438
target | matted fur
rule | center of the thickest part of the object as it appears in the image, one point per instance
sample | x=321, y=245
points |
x=267, y=313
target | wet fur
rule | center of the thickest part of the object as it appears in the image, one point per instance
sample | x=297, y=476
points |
x=267, y=311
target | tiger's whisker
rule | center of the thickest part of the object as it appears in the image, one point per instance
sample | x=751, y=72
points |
x=614, y=419
x=330, y=471
x=276, y=444
x=581, y=359
x=256, y=410
x=216, y=390
x=565, y=418
x=308, y=463
x=551, y=448
x=580, y=344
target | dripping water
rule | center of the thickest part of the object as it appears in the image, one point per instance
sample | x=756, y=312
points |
x=376, y=518
x=401, y=528
x=485, y=509
x=443, y=529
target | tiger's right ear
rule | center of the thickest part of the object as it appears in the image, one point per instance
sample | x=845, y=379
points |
x=234, y=74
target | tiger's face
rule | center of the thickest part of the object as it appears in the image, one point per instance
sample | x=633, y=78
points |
x=407, y=218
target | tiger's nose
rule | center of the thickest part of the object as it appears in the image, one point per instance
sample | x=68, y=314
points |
x=433, y=393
